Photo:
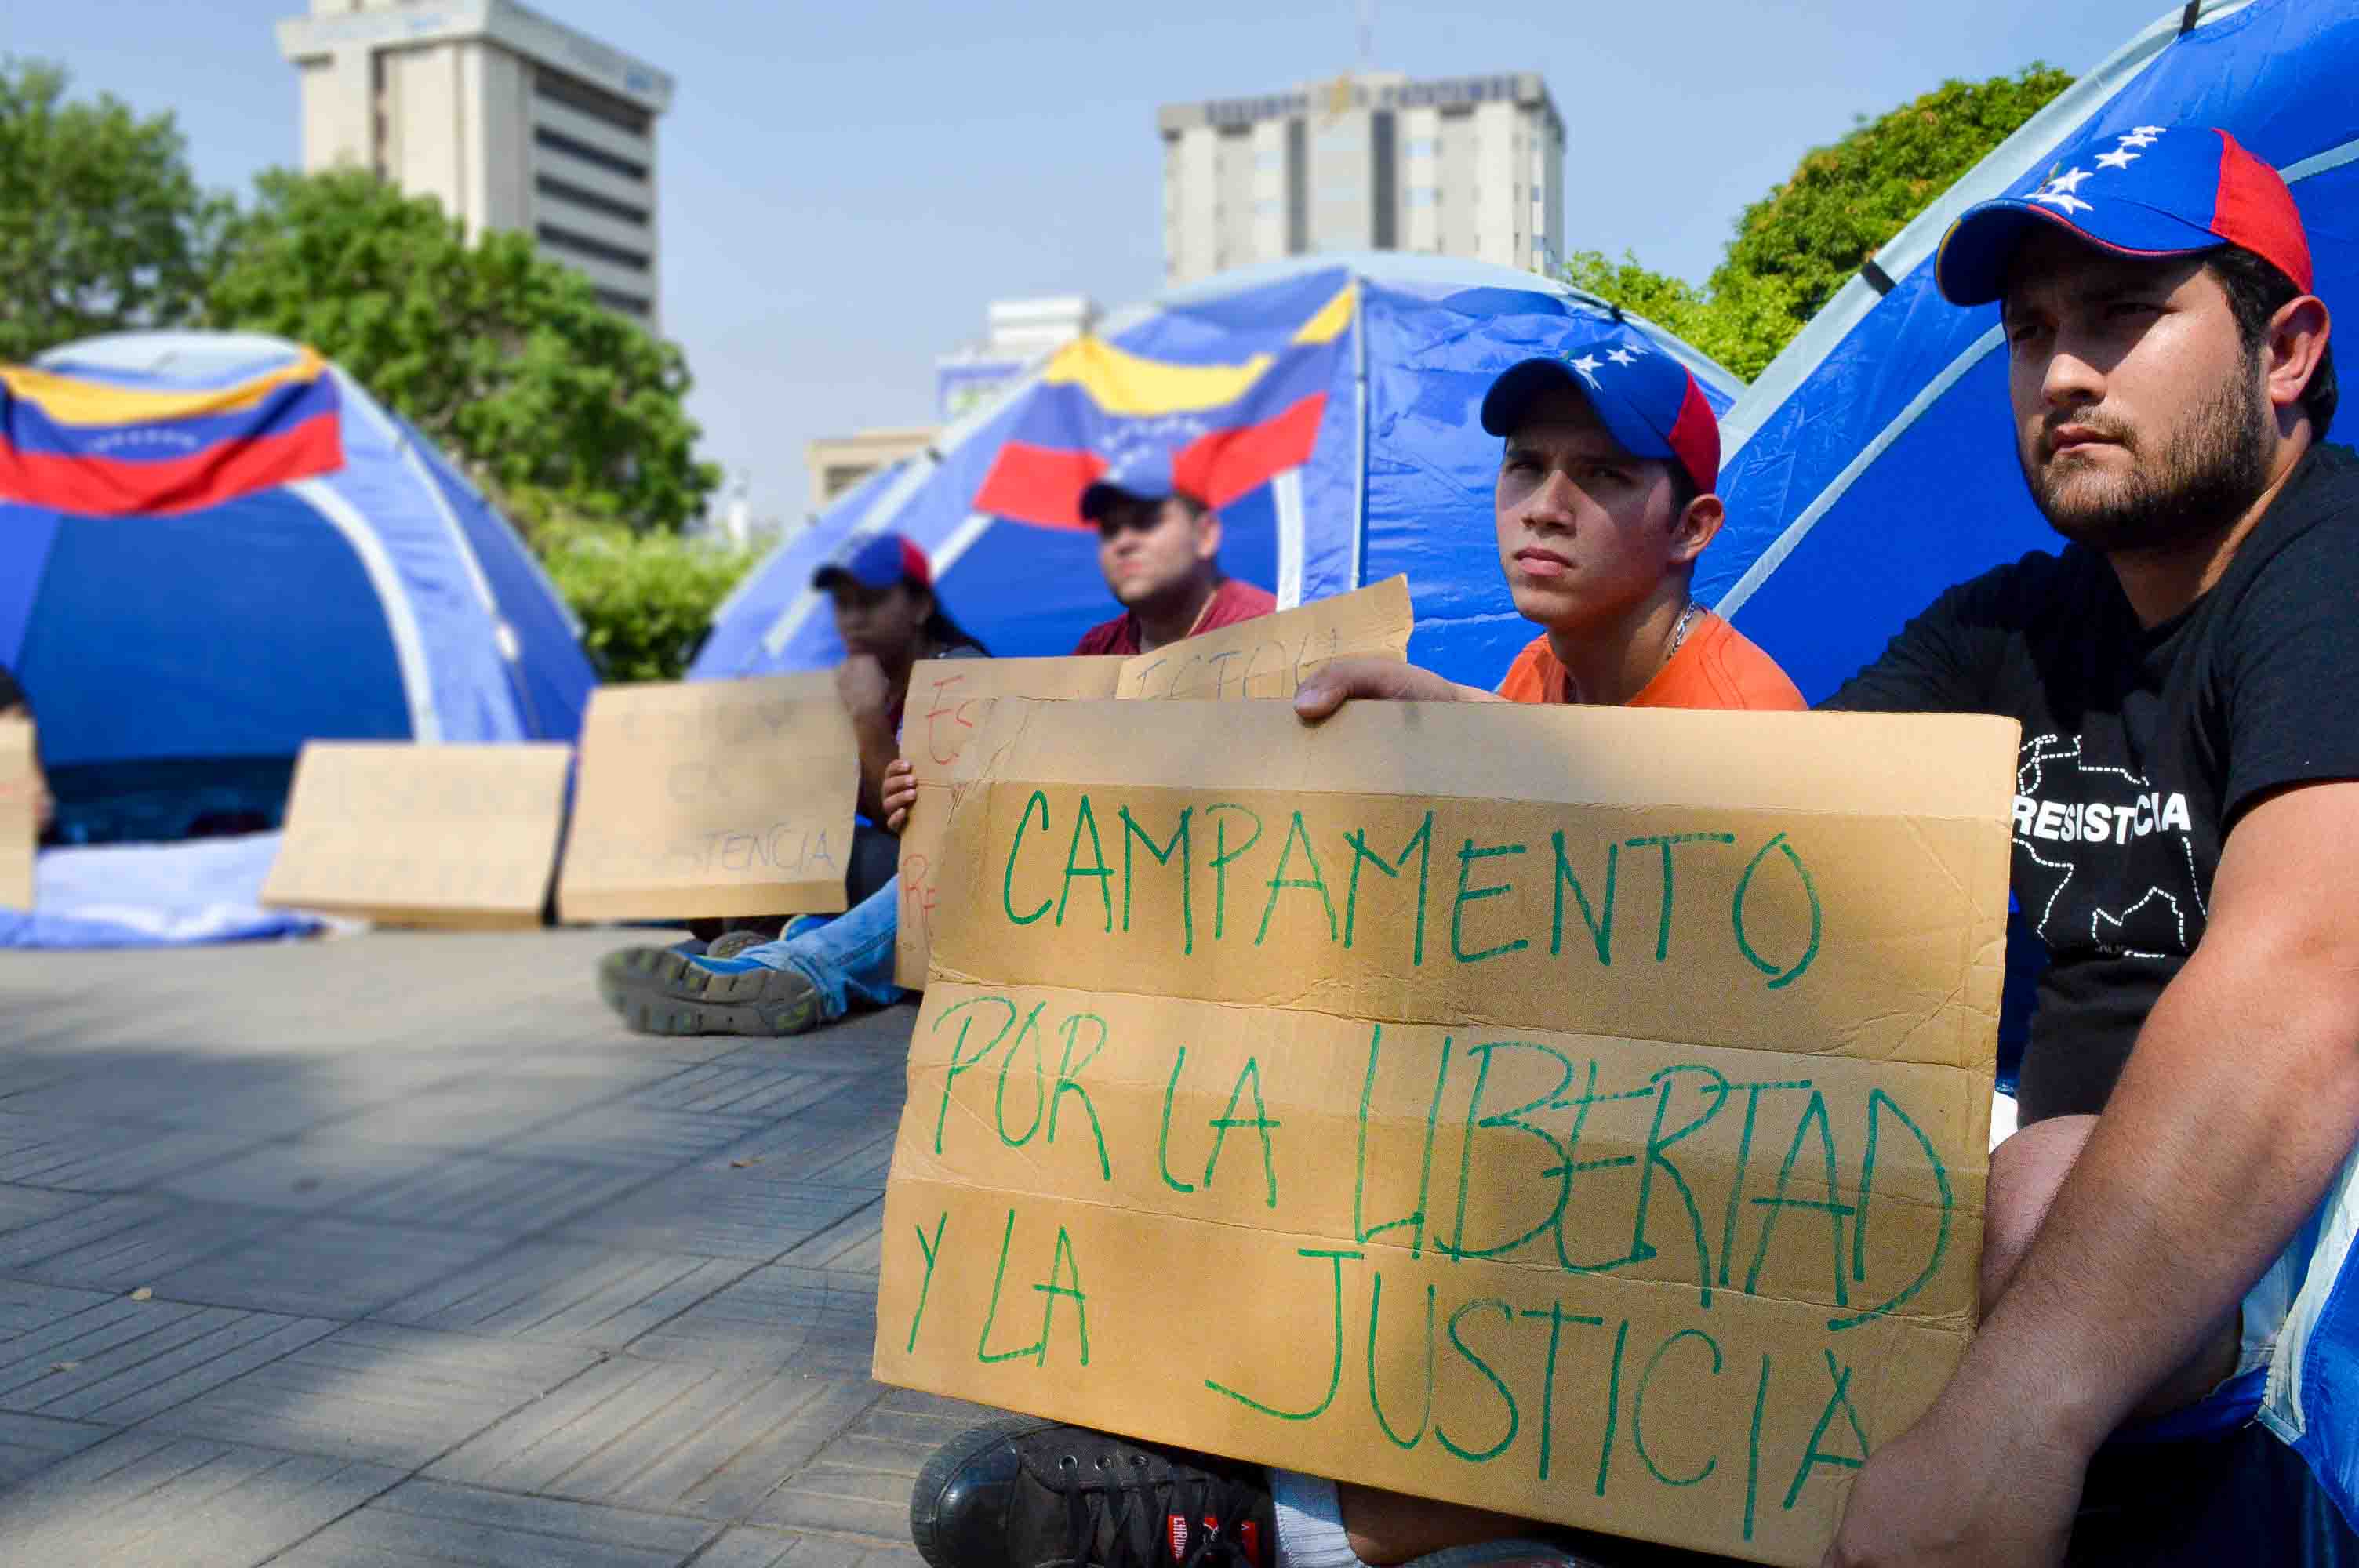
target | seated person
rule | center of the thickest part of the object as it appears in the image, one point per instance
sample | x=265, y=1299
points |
x=888, y=619
x=1160, y=550
x=1603, y=501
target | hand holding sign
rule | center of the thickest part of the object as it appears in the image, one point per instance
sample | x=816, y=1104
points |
x=900, y=793
x=1380, y=680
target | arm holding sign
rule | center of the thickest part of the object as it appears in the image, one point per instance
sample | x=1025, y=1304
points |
x=900, y=793
x=2237, y=1107
x=1382, y=679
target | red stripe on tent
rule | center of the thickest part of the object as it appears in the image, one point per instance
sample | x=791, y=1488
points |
x=111, y=487
x=1227, y=464
x=1039, y=484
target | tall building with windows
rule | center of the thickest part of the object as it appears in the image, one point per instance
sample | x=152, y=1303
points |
x=512, y=119
x=1462, y=167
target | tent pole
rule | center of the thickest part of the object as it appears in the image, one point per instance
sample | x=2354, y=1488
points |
x=1360, y=427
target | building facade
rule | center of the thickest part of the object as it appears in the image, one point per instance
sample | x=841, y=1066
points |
x=1461, y=167
x=1019, y=333
x=511, y=120
x=835, y=463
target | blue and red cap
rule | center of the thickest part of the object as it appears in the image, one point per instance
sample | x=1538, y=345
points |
x=1144, y=474
x=875, y=563
x=2151, y=192
x=1646, y=399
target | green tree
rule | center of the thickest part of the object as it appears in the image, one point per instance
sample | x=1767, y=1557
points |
x=644, y=599
x=1796, y=246
x=101, y=224
x=504, y=358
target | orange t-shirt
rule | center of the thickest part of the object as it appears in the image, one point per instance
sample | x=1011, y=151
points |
x=1717, y=666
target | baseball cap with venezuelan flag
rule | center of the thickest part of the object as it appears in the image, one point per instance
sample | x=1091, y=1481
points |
x=2152, y=191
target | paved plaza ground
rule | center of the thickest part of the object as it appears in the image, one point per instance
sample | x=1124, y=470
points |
x=400, y=1250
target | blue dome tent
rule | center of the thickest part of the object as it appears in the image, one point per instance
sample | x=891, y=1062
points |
x=1873, y=465
x=216, y=546
x=1326, y=407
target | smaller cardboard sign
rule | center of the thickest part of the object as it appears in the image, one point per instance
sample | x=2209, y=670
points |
x=1273, y=656
x=407, y=835
x=20, y=786
x=949, y=700
x=710, y=798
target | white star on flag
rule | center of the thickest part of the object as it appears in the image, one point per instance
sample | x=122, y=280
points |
x=2148, y=130
x=2063, y=199
x=1623, y=357
x=2137, y=139
x=1587, y=366
x=2070, y=180
x=2117, y=158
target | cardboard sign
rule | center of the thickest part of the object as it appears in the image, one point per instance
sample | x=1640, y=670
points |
x=1271, y=657
x=948, y=701
x=458, y=836
x=20, y=784
x=1577, y=1112
x=711, y=798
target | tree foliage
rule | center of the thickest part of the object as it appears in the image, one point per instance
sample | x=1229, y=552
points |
x=1800, y=244
x=505, y=358
x=644, y=599
x=103, y=226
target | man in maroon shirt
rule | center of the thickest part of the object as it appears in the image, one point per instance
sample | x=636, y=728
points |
x=1159, y=548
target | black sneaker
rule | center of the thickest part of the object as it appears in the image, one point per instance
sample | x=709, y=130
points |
x=658, y=991
x=1018, y=1493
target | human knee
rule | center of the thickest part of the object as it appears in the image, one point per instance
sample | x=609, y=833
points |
x=2024, y=1173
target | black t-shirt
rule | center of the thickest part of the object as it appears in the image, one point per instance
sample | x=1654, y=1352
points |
x=2140, y=747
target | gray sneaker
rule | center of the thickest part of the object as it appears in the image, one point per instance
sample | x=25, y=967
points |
x=732, y=944
x=658, y=991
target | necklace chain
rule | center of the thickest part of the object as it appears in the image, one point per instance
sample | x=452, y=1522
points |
x=1680, y=632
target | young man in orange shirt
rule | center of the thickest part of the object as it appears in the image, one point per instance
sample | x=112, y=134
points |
x=1605, y=500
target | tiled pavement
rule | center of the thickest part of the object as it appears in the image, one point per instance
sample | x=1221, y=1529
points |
x=399, y=1250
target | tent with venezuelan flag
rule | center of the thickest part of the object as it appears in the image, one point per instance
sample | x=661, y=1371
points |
x=1326, y=407
x=216, y=546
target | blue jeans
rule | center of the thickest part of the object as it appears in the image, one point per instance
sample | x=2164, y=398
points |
x=846, y=958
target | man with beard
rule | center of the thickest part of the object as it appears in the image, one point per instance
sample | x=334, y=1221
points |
x=2186, y=840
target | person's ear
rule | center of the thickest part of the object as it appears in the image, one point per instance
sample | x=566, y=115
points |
x=1695, y=528
x=2290, y=354
x=1208, y=535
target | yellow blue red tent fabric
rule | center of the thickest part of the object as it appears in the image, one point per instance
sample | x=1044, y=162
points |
x=102, y=450
x=1327, y=406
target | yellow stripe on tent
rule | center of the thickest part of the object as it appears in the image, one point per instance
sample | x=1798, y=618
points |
x=69, y=401
x=1122, y=383
x=1333, y=318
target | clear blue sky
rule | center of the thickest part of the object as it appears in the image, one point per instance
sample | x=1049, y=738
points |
x=844, y=188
